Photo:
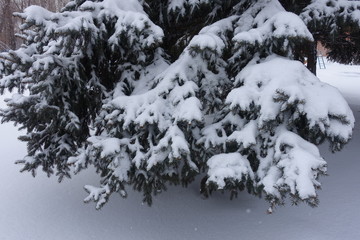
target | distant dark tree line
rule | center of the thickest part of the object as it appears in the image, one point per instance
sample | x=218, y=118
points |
x=9, y=24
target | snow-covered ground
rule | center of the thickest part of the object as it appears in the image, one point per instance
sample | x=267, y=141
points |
x=345, y=77
x=40, y=208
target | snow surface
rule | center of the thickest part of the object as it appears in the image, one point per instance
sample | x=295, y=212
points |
x=40, y=208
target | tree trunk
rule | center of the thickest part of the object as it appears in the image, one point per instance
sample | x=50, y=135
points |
x=312, y=57
x=9, y=26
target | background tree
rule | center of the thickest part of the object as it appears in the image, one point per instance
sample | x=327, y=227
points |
x=153, y=93
x=338, y=33
x=333, y=23
x=9, y=24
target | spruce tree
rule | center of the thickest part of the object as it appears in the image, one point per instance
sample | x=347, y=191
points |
x=336, y=25
x=153, y=93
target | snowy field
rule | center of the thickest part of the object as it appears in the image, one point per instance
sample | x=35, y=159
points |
x=40, y=208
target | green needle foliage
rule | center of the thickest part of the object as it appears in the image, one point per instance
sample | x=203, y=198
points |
x=153, y=93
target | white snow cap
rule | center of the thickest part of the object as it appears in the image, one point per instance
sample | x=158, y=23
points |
x=228, y=166
x=265, y=83
x=281, y=25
